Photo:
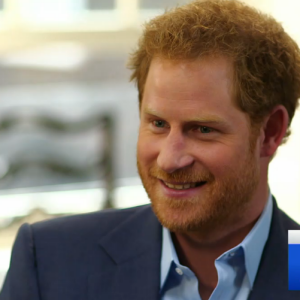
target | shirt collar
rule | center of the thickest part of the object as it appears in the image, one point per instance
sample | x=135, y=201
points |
x=253, y=246
x=168, y=255
x=254, y=243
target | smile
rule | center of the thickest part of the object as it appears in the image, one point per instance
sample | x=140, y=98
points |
x=184, y=186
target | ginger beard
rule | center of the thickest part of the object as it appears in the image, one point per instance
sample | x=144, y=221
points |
x=221, y=201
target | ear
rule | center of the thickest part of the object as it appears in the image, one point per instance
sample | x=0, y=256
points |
x=273, y=130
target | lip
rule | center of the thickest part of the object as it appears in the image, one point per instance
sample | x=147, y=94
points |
x=175, y=182
x=181, y=193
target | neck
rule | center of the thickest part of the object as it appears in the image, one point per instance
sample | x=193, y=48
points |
x=200, y=256
x=199, y=252
x=190, y=243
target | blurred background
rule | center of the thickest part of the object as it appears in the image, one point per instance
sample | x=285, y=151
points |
x=69, y=116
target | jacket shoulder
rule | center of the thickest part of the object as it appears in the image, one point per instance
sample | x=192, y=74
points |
x=287, y=222
x=99, y=223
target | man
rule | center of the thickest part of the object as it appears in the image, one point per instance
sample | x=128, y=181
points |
x=218, y=87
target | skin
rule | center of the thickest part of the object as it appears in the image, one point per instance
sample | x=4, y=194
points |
x=191, y=130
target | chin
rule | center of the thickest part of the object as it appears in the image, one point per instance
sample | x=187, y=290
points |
x=184, y=214
x=215, y=209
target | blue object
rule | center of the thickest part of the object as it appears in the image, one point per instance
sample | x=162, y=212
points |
x=294, y=267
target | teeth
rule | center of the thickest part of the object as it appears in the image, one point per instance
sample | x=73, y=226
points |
x=180, y=186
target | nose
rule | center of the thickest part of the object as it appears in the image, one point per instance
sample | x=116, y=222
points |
x=174, y=154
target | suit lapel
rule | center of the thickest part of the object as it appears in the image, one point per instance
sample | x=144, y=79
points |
x=272, y=278
x=135, y=249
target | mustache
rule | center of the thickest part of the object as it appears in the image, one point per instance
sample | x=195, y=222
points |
x=181, y=175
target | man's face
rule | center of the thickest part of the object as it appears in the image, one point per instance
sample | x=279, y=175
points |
x=194, y=150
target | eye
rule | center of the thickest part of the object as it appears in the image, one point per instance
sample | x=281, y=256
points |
x=204, y=129
x=159, y=123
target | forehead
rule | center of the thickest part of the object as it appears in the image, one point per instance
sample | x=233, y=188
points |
x=206, y=68
x=203, y=86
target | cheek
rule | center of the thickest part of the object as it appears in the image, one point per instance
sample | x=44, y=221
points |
x=147, y=149
x=219, y=159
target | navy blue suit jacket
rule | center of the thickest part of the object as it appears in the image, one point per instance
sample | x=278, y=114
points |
x=115, y=255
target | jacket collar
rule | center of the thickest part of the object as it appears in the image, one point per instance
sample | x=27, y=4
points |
x=140, y=233
x=135, y=248
x=134, y=251
x=272, y=278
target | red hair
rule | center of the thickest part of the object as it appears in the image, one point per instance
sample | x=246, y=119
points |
x=266, y=60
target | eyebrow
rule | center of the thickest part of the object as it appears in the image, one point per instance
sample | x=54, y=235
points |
x=209, y=119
